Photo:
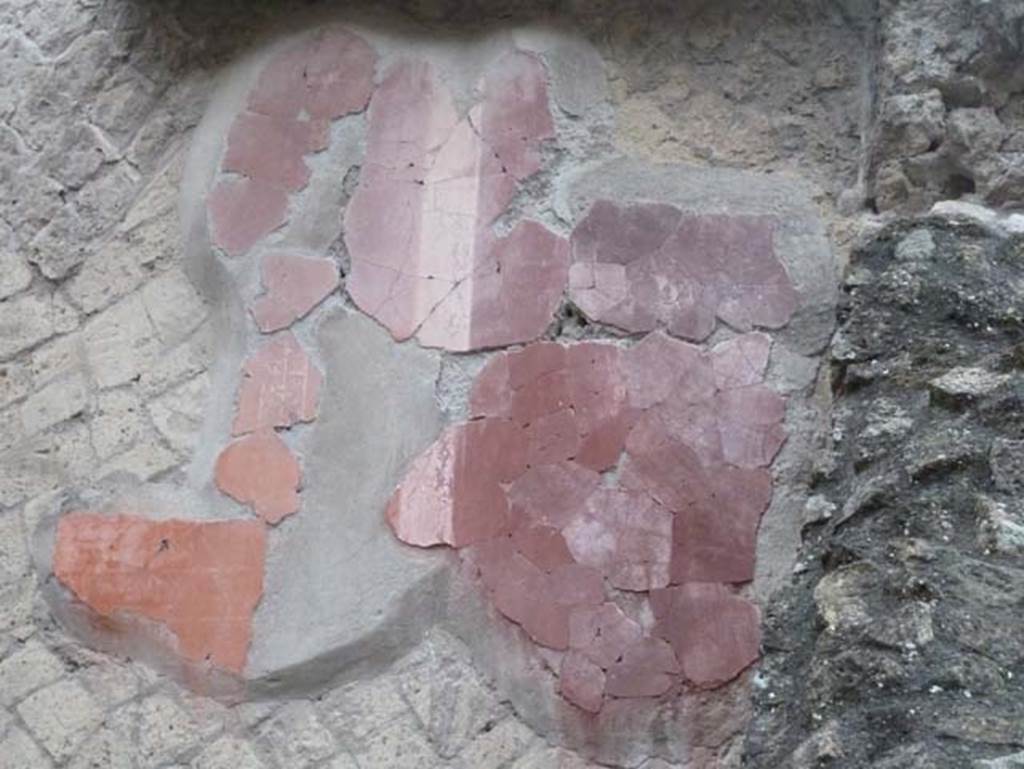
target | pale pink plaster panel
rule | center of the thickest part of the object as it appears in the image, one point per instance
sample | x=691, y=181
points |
x=280, y=386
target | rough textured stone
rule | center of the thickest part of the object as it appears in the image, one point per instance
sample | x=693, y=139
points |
x=202, y=580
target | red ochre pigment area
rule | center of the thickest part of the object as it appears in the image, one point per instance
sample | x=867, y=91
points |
x=201, y=580
x=589, y=470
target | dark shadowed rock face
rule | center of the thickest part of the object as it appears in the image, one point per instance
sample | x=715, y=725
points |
x=900, y=641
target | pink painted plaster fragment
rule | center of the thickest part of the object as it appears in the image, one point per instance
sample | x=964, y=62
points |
x=271, y=149
x=280, y=386
x=627, y=535
x=327, y=76
x=549, y=494
x=200, y=579
x=425, y=260
x=691, y=432
x=294, y=285
x=715, y=537
x=581, y=682
x=646, y=668
x=242, y=211
x=715, y=633
x=647, y=266
x=259, y=470
x=741, y=361
x=453, y=492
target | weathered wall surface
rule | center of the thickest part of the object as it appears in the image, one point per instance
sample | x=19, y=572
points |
x=106, y=346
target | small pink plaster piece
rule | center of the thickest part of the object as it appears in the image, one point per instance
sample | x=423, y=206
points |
x=425, y=260
x=271, y=149
x=552, y=438
x=627, y=535
x=647, y=668
x=581, y=682
x=328, y=75
x=294, y=286
x=602, y=633
x=338, y=74
x=260, y=471
x=514, y=117
x=280, y=386
x=242, y=211
x=542, y=545
x=741, y=361
x=715, y=633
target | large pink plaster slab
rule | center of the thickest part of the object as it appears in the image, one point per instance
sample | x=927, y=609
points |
x=691, y=432
x=649, y=266
x=293, y=285
x=715, y=633
x=242, y=211
x=259, y=470
x=280, y=386
x=425, y=259
x=202, y=580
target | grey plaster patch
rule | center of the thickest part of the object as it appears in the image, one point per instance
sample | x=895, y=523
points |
x=341, y=592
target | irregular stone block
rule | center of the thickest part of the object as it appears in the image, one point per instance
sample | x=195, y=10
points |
x=202, y=580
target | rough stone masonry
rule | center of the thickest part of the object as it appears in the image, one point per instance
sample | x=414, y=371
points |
x=437, y=384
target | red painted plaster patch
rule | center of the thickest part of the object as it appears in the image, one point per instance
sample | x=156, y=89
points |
x=280, y=386
x=425, y=260
x=202, y=580
x=260, y=471
x=691, y=433
x=244, y=210
x=294, y=285
x=648, y=266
